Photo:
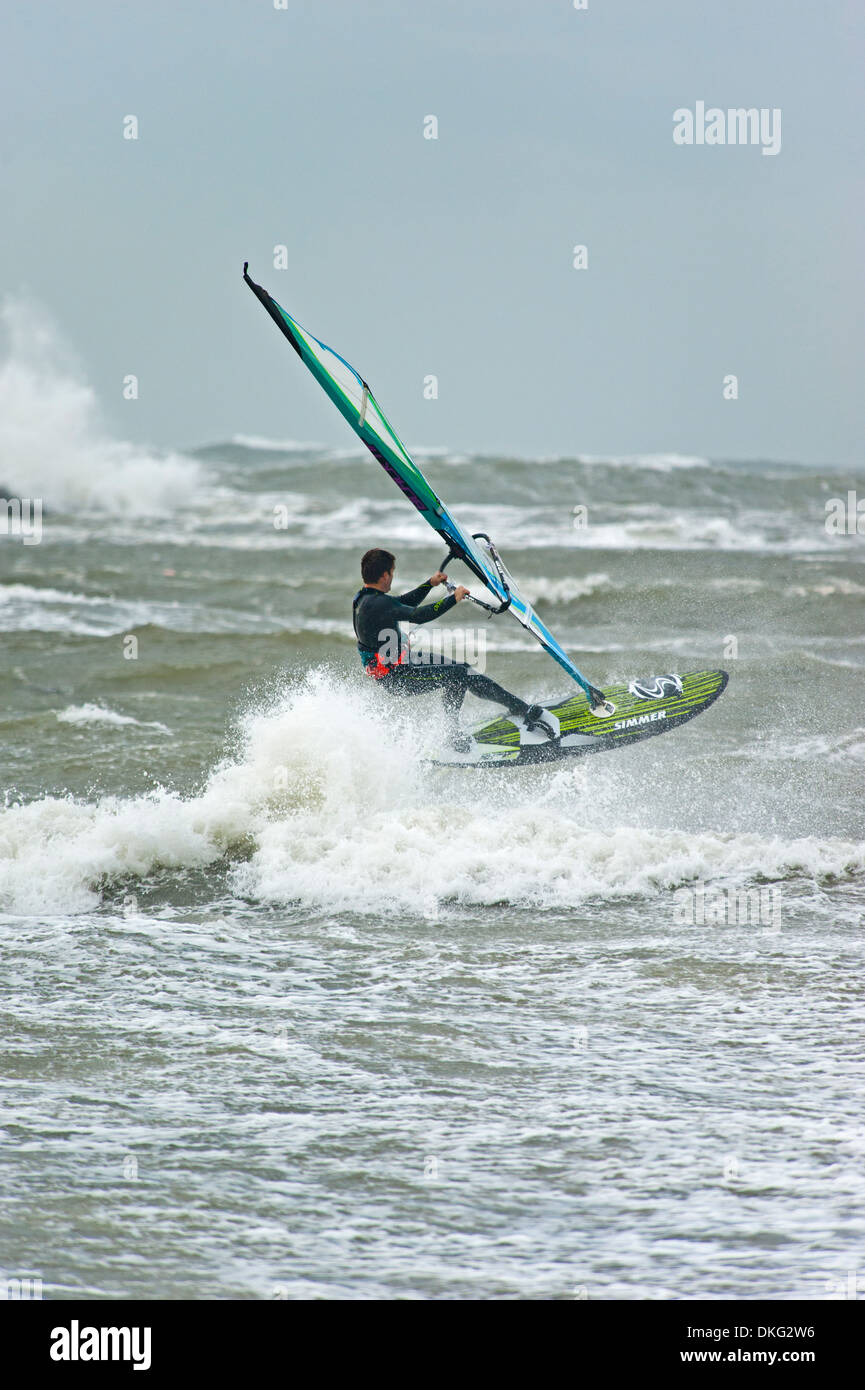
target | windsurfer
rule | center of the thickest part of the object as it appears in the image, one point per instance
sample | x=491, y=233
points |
x=377, y=615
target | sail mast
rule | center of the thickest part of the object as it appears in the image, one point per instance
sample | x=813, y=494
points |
x=356, y=403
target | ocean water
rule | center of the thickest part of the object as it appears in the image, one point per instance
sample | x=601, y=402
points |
x=288, y=1013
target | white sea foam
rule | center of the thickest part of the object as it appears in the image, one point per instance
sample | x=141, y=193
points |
x=844, y=748
x=12, y=593
x=827, y=588
x=566, y=590
x=441, y=454
x=97, y=714
x=53, y=444
x=328, y=789
x=276, y=446
x=28, y=608
x=653, y=463
x=737, y=584
x=668, y=530
x=643, y=527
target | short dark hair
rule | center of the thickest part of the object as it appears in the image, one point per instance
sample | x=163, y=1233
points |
x=374, y=564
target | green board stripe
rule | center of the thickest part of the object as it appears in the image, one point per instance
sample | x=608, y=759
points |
x=501, y=736
x=698, y=690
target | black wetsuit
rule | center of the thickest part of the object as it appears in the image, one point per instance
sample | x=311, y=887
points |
x=377, y=617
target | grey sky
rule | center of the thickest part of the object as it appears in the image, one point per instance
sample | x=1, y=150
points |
x=410, y=256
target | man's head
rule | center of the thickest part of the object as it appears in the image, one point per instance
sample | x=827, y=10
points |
x=376, y=568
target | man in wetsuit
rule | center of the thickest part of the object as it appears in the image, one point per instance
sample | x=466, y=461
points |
x=377, y=616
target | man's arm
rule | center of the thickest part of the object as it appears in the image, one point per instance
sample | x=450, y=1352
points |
x=415, y=596
x=420, y=613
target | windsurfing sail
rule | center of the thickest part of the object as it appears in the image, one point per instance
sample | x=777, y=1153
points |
x=354, y=400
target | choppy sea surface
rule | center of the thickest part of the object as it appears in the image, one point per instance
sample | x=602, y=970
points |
x=288, y=1013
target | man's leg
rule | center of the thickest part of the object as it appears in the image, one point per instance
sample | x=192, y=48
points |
x=486, y=689
x=453, y=678
x=535, y=716
x=421, y=678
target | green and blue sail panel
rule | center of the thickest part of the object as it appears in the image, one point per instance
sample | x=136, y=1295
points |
x=355, y=402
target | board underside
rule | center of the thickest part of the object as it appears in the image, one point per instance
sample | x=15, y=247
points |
x=644, y=708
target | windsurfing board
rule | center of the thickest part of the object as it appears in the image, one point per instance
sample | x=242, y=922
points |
x=643, y=709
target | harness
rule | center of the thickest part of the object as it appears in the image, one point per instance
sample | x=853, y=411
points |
x=372, y=662
x=377, y=669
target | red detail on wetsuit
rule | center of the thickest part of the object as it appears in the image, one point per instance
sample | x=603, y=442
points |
x=377, y=668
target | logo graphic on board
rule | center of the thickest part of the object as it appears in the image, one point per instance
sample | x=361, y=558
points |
x=656, y=687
